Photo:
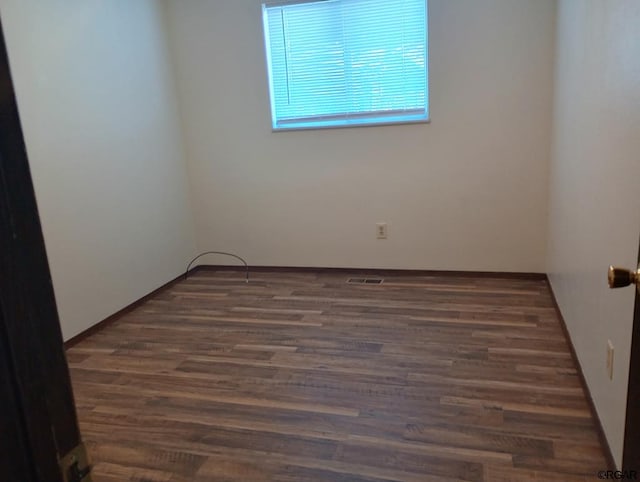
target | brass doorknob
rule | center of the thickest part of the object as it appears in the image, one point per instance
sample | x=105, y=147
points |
x=620, y=277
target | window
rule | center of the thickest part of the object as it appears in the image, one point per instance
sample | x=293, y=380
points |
x=346, y=62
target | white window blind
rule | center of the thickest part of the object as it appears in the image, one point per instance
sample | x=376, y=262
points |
x=347, y=62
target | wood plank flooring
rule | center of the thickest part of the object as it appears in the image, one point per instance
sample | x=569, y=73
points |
x=300, y=377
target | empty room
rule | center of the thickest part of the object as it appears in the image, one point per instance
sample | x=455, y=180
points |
x=319, y=240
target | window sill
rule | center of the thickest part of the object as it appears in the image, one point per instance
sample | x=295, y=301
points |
x=311, y=127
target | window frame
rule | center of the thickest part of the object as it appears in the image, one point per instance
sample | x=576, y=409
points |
x=367, y=120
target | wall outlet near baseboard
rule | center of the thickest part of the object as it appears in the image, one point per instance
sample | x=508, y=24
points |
x=610, y=359
x=381, y=230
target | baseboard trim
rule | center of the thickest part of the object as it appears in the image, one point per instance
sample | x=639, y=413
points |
x=379, y=272
x=601, y=435
x=101, y=325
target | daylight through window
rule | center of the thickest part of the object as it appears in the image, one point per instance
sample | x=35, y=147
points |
x=347, y=62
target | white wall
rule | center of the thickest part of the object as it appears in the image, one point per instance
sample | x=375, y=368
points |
x=100, y=120
x=466, y=192
x=595, y=203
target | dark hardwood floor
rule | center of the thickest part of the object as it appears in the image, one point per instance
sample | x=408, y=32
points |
x=300, y=377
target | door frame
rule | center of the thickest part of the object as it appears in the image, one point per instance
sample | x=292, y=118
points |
x=36, y=397
x=13, y=449
x=631, y=451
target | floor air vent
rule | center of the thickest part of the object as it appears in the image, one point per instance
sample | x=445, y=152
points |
x=365, y=281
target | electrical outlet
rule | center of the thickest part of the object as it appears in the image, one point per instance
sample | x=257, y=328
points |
x=381, y=230
x=610, y=359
